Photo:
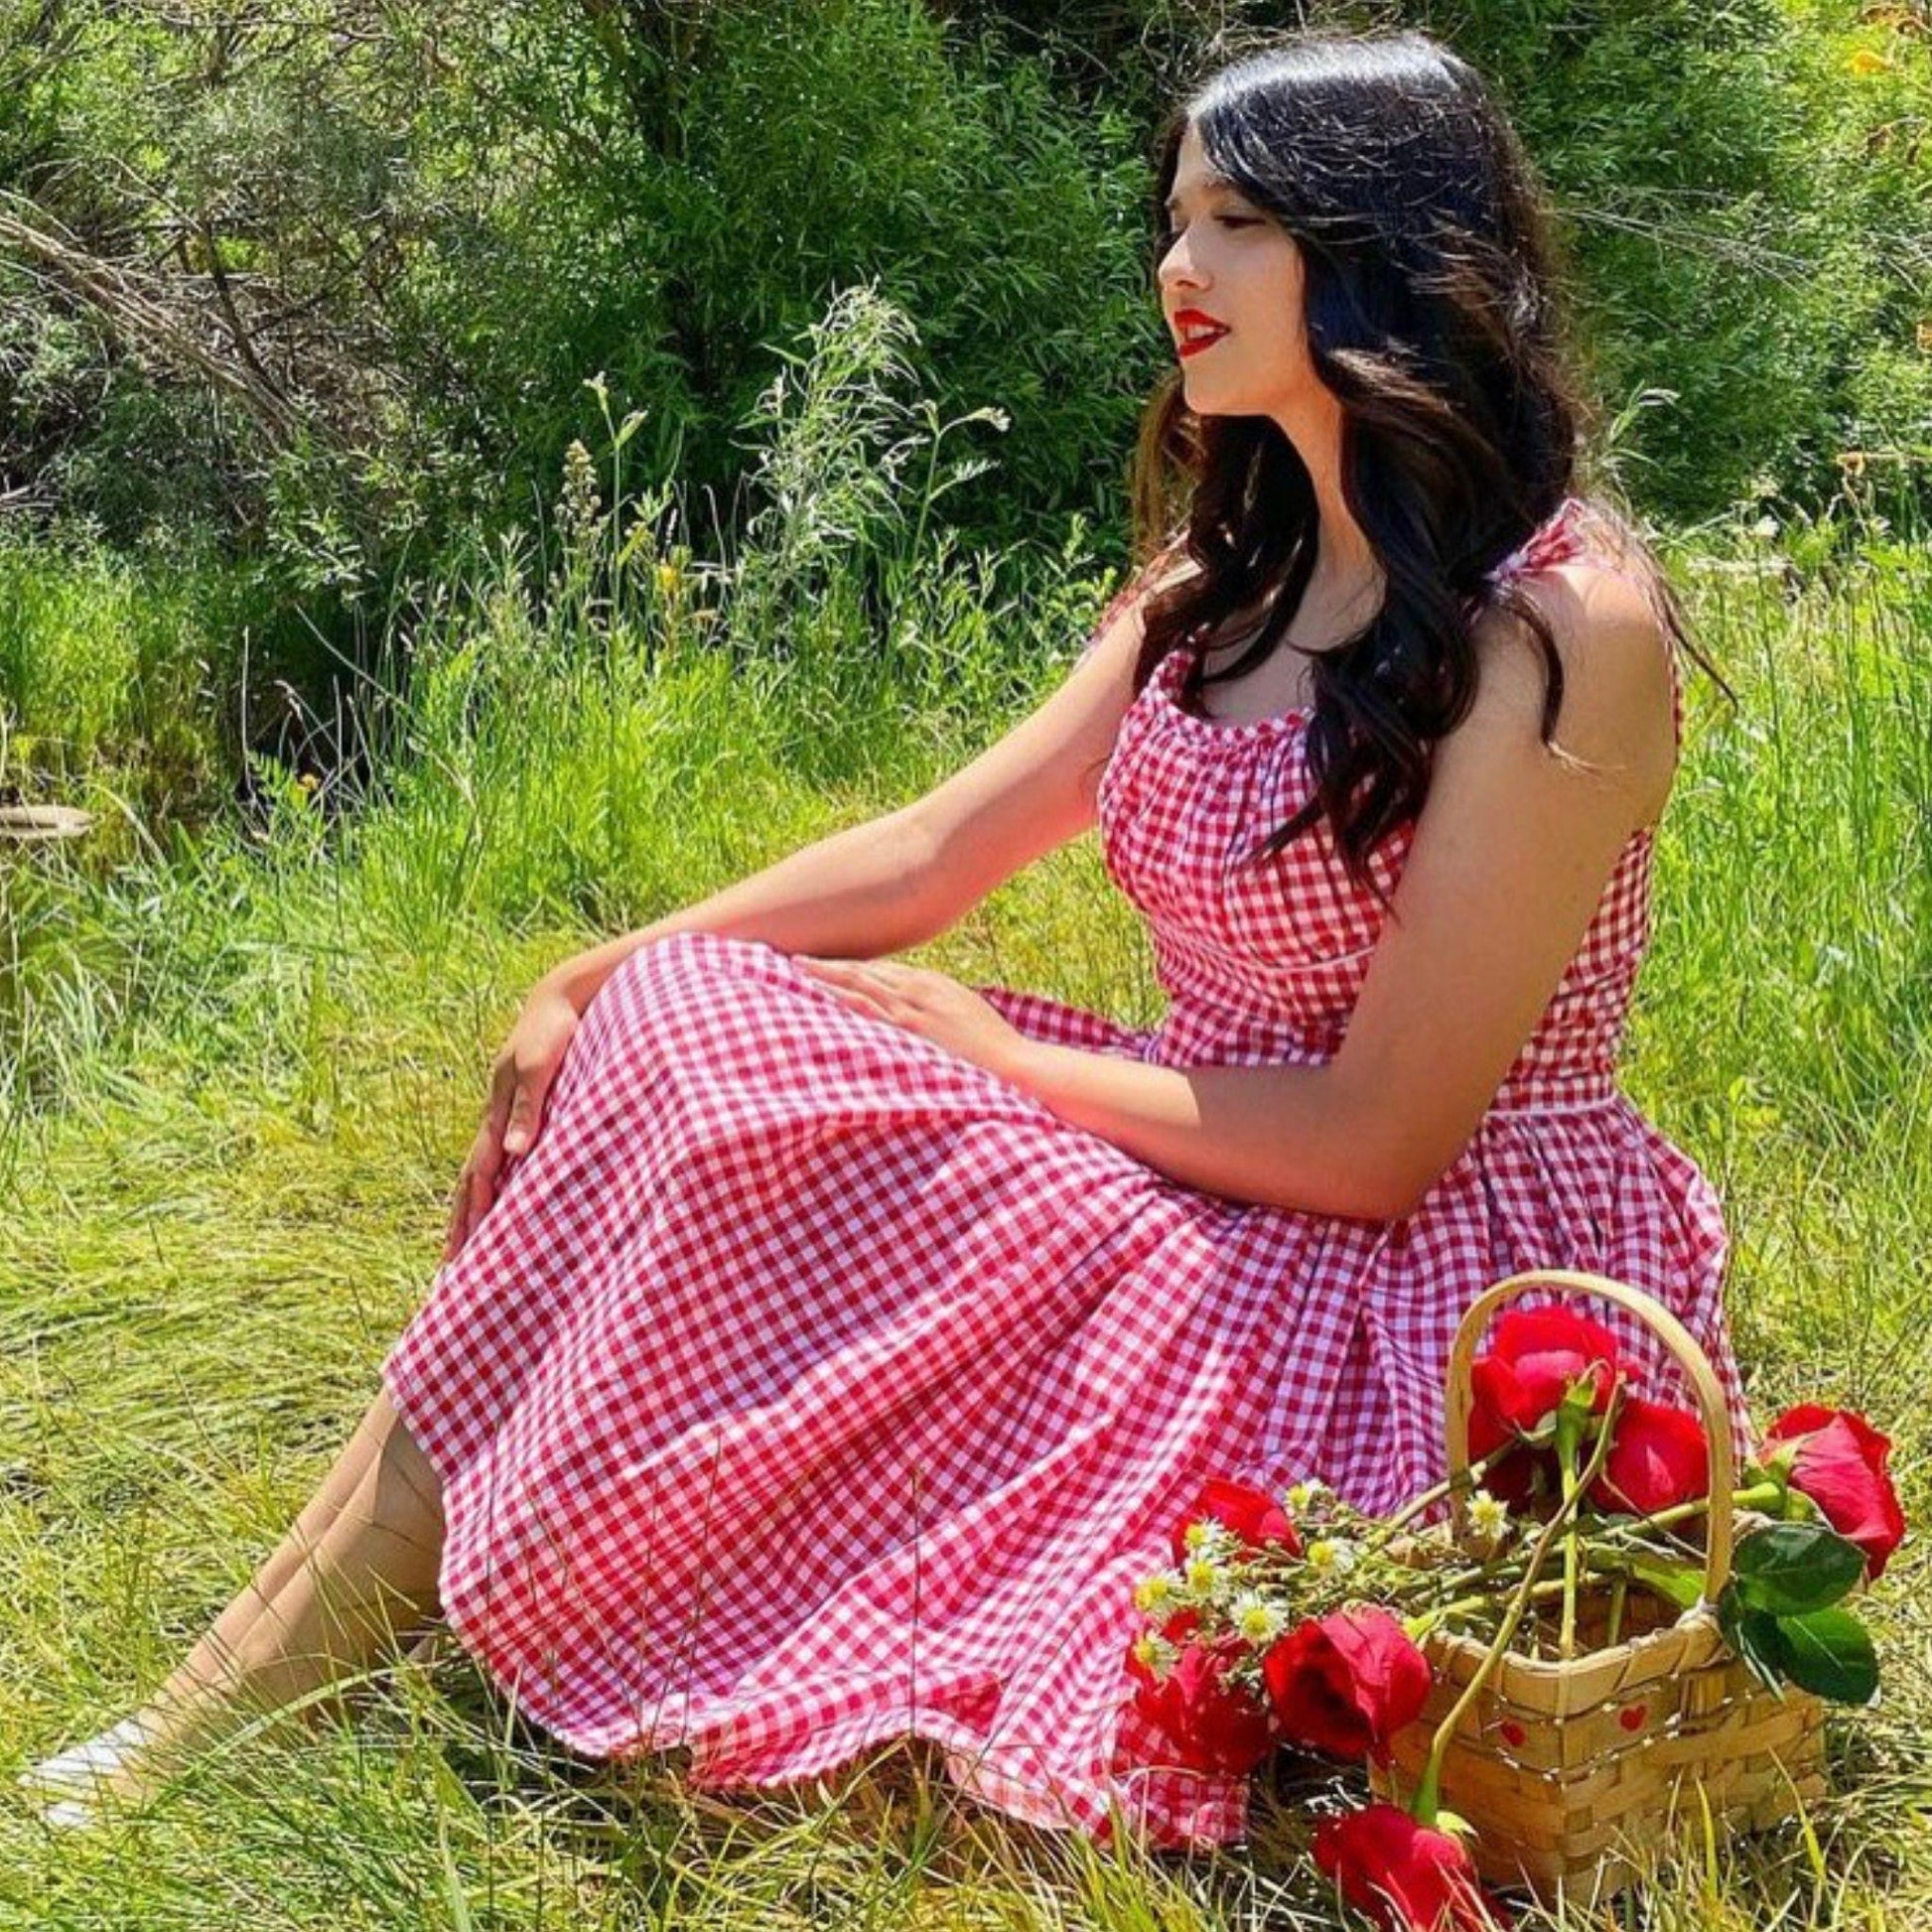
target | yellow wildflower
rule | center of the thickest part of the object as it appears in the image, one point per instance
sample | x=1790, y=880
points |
x=1155, y=1592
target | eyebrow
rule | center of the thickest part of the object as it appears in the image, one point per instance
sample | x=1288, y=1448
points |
x=1212, y=184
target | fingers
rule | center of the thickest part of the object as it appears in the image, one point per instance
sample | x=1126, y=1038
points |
x=457, y=1230
x=510, y=1125
x=860, y=983
x=475, y=1191
x=526, y=1109
x=520, y=1080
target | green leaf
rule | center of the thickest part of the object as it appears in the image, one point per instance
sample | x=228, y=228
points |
x=1676, y=1582
x=1754, y=1636
x=1793, y=1568
x=1830, y=1652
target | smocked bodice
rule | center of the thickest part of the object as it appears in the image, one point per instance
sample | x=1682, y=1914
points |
x=1264, y=962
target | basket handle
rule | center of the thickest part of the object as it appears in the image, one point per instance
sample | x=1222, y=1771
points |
x=1674, y=1336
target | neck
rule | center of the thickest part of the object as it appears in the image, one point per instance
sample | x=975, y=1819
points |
x=1346, y=572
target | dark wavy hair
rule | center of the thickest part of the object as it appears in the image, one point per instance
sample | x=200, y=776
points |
x=1430, y=276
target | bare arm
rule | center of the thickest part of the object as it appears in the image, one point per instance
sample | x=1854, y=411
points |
x=861, y=892
x=1509, y=862
x=896, y=882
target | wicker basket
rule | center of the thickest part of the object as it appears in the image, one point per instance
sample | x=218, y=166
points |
x=1573, y=1770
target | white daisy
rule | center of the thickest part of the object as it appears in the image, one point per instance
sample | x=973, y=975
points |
x=1488, y=1515
x=1156, y=1593
x=1204, y=1575
x=1305, y=1495
x=1257, y=1619
x=1156, y=1652
x=1206, y=1537
x=1332, y=1556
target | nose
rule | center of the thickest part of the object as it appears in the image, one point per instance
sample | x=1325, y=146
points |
x=1177, y=267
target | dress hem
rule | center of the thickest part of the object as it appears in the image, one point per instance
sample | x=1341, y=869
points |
x=1213, y=1822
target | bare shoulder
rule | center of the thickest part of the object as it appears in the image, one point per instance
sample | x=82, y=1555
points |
x=1617, y=711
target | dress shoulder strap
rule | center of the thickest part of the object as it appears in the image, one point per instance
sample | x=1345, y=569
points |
x=1556, y=539
x=1562, y=537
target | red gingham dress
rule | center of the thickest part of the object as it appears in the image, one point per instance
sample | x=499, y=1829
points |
x=809, y=1386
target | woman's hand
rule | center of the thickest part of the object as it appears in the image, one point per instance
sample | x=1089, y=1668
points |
x=519, y=1079
x=928, y=1002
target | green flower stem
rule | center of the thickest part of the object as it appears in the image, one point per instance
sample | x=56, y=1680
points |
x=1759, y=1495
x=1429, y=1619
x=1570, y=1427
x=1603, y=1544
x=1427, y=1799
x=1469, y=1477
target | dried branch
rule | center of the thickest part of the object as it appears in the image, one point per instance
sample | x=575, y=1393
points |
x=150, y=316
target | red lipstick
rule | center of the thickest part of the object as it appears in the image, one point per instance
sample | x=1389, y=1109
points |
x=1196, y=330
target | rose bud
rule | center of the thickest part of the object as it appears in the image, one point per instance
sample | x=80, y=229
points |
x=1838, y=1459
x=1658, y=1459
x=1407, y=1877
x=1253, y=1515
x=1346, y=1682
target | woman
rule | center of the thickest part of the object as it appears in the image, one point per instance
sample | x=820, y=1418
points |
x=823, y=1348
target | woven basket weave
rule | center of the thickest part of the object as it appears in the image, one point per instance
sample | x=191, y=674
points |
x=1573, y=1770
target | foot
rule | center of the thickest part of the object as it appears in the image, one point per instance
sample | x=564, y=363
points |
x=81, y=1766
x=70, y=1814
x=119, y=1765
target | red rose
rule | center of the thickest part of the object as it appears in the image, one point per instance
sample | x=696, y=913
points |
x=1407, y=1877
x=1839, y=1463
x=1658, y=1459
x=1213, y=1723
x=1346, y=1682
x=1534, y=1356
x=1252, y=1514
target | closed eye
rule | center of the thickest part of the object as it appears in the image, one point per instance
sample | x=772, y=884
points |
x=1170, y=235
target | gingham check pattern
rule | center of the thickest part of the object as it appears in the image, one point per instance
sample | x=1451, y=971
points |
x=807, y=1386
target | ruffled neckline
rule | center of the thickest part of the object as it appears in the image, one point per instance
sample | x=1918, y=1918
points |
x=1552, y=541
x=1166, y=677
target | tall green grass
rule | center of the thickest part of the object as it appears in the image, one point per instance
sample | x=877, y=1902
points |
x=243, y=1067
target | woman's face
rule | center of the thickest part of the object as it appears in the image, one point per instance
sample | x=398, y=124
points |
x=1231, y=262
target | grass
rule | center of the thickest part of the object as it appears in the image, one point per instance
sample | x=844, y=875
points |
x=243, y=1065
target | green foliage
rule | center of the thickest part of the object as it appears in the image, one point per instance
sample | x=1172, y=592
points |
x=1793, y=1568
x=1828, y=1652
x=115, y=676
x=1747, y=204
x=431, y=231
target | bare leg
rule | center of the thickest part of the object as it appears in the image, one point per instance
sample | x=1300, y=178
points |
x=356, y=1572
x=311, y=1526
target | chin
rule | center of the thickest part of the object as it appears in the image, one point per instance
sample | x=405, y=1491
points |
x=1213, y=402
